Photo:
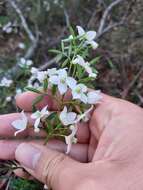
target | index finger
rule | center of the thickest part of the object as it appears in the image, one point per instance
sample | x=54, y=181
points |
x=25, y=101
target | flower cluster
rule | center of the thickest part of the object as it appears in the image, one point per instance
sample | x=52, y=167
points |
x=23, y=63
x=68, y=86
x=6, y=82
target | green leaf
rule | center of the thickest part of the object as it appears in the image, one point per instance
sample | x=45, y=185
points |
x=111, y=64
x=24, y=184
x=59, y=126
x=94, y=61
x=54, y=89
x=62, y=46
x=65, y=63
x=36, y=101
x=45, y=85
x=85, y=80
x=72, y=31
x=55, y=51
x=58, y=58
x=33, y=90
x=52, y=116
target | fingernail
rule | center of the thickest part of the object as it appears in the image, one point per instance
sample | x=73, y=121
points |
x=28, y=155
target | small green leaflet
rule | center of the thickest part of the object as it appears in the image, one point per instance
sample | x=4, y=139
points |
x=36, y=101
x=33, y=90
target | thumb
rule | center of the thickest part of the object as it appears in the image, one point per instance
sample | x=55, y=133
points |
x=48, y=166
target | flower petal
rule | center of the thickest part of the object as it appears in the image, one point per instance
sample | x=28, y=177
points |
x=37, y=122
x=83, y=98
x=68, y=140
x=93, y=44
x=90, y=35
x=94, y=97
x=52, y=71
x=81, y=31
x=62, y=88
x=44, y=110
x=71, y=82
x=19, y=124
x=54, y=79
x=71, y=116
x=35, y=115
x=75, y=95
x=62, y=73
x=83, y=87
x=79, y=60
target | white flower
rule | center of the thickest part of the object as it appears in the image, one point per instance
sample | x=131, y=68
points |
x=20, y=124
x=93, y=44
x=8, y=99
x=38, y=115
x=94, y=97
x=7, y=28
x=62, y=81
x=25, y=63
x=21, y=45
x=84, y=116
x=42, y=75
x=34, y=72
x=46, y=187
x=70, y=139
x=67, y=118
x=29, y=62
x=36, y=85
x=79, y=91
x=80, y=61
x=51, y=72
x=90, y=72
x=5, y=82
x=89, y=36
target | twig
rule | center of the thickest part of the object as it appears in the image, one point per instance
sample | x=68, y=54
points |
x=110, y=27
x=105, y=16
x=32, y=48
x=34, y=39
x=67, y=18
x=130, y=86
x=23, y=20
x=47, y=64
x=139, y=96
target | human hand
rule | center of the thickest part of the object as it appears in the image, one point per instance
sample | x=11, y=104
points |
x=110, y=145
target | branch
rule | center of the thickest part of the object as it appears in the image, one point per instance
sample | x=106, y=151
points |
x=34, y=39
x=110, y=27
x=23, y=20
x=131, y=85
x=47, y=64
x=105, y=16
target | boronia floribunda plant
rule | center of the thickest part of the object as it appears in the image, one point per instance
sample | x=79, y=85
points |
x=72, y=79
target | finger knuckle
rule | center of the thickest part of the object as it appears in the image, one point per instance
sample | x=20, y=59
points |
x=52, y=168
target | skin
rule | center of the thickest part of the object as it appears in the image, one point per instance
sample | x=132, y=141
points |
x=109, y=153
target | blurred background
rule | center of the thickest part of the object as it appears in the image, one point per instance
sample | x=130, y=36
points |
x=29, y=28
